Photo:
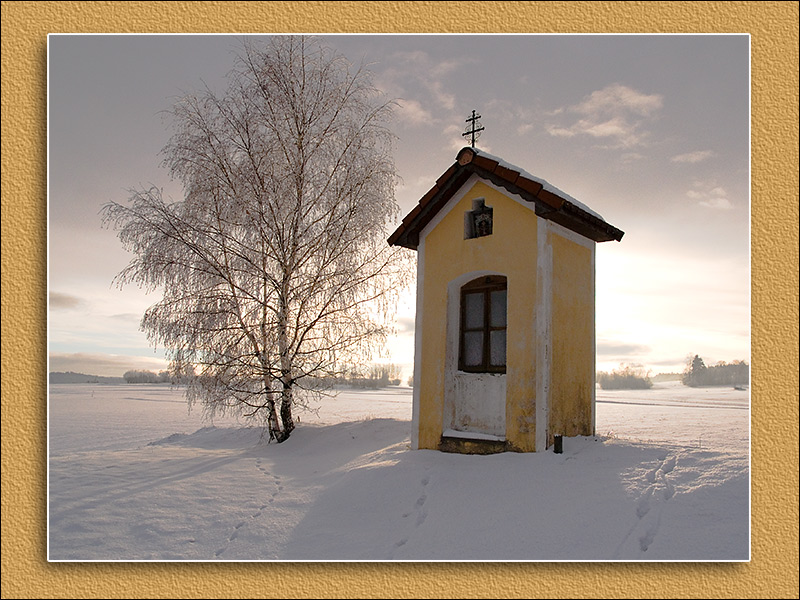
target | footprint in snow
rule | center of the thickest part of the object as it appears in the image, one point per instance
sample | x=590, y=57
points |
x=669, y=465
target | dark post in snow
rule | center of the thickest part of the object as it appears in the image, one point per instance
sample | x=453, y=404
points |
x=474, y=128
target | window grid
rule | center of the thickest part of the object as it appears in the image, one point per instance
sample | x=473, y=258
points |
x=483, y=326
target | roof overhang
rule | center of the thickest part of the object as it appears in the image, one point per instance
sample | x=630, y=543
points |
x=548, y=202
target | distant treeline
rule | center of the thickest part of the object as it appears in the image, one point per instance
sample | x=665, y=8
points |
x=72, y=377
x=140, y=376
x=627, y=377
x=374, y=377
x=697, y=374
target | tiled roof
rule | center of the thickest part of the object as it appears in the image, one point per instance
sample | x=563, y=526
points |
x=548, y=202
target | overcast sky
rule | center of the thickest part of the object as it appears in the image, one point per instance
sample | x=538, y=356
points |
x=650, y=131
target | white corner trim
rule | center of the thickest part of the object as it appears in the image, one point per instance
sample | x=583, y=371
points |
x=590, y=245
x=418, y=317
x=572, y=236
x=594, y=341
x=543, y=332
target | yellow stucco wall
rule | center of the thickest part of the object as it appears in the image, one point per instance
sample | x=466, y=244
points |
x=512, y=251
x=572, y=329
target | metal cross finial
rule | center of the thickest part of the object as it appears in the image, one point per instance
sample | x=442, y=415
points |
x=474, y=128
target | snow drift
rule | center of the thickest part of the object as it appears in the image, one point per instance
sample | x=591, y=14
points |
x=134, y=476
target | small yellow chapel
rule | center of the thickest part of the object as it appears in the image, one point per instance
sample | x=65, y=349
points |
x=505, y=310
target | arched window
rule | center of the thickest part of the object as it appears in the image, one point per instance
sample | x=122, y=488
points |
x=482, y=346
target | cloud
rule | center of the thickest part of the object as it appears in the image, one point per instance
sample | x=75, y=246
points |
x=422, y=82
x=613, y=353
x=59, y=301
x=620, y=349
x=127, y=317
x=670, y=362
x=525, y=128
x=717, y=203
x=525, y=119
x=692, y=157
x=430, y=73
x=618, y=98
x=616, y=114
x=561, y=131
x=411, y=111
x=405, y=325
x=452, y=130
x=709, y=195
x=448, y=101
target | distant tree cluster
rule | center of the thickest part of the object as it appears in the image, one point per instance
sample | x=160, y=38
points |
x=697, y=374
x=140, y=376
x=72, y=377
x=627, y=377
x=376, y=376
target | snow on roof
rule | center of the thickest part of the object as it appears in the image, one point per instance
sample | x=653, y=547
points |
x=554, y=204
x=545, y=184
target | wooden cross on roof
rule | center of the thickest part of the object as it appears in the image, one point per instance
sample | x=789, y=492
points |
x=474, y=128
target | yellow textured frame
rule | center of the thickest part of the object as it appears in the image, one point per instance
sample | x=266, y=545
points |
x=772, y=572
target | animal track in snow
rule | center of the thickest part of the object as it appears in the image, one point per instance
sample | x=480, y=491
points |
x=422, y=512
x=649, y=507
x=669, y=464
x=418, y=509
x=275, y=480
x=643, y=504
x=660, y=483
x=649, y=535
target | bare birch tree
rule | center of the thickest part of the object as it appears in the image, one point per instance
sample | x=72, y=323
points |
x=274, y=268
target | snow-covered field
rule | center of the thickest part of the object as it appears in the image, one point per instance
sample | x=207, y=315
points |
x=134, y=476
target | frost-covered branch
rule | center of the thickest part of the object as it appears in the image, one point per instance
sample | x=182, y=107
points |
x=274, y=268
